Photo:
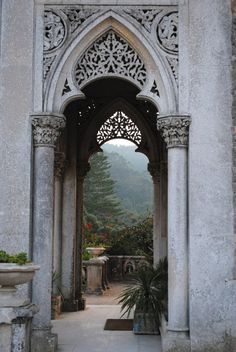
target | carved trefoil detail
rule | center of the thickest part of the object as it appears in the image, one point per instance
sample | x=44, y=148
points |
x=78, y=15
x=119, y=125
x=174, y=130
x=110, y=55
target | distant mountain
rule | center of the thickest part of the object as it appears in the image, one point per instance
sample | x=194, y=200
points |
x=138, y=161
x=133, y=185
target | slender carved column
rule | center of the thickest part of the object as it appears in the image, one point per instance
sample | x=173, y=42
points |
x=59, y=165
x=82, y=169
x=154, y=170
x=46, y=130
x=174, y=130
x=163, y=209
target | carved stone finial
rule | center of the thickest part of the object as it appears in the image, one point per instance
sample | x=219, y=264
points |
x=47, y=129
x=174, y=130
x=82, y=170
x=59, y=164
x=155, y=171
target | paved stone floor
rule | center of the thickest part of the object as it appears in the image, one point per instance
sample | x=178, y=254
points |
x=83, y=331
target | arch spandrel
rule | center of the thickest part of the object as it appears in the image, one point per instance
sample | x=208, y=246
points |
x=157, y=70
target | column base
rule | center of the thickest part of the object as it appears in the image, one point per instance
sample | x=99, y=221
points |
x=43, y=340
x=70, y=305
x=81, y=304
x=174, y=340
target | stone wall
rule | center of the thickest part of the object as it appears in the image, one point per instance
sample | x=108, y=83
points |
x=234, y=103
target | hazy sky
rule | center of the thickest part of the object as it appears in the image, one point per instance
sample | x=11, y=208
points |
x=121, y=142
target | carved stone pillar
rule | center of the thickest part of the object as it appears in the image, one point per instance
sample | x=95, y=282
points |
x=174, y=130
x=154, y=170
x=59, y=165
x=82, y=169
x=46, y=131
x=163, y=208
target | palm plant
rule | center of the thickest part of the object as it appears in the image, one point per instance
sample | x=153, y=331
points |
x=148, y=293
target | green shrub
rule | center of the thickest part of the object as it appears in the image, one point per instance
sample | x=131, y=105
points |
x=19, y=258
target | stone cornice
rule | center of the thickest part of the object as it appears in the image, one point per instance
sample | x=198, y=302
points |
x=174, y=129
x=47, y=128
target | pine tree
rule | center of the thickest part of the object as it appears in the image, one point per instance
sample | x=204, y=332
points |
x=102, y=207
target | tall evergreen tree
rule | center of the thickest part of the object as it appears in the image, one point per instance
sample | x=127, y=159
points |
x=102, y=207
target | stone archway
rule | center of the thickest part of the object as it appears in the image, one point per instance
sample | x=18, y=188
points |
x=127, y=55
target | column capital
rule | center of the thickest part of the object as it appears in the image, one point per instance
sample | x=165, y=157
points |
x=47, y=128
x=174, y=129
x=155, y=171
x=82, y=170
x=59, y=164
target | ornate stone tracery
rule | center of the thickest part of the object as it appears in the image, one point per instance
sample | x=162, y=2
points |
x=110, y=55
x=167, y=32
x=119, y=125
x=78, y=15
x=47, y=129
x=54, y=31
x=174, y=130
x=144, y=16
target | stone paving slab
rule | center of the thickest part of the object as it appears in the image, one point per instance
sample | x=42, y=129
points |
x=83, y=332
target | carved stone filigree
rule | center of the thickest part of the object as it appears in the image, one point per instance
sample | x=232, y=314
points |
x=47, y=129
x=47, y=64
x=78, y=15
x=167, y=32
x=66, y=88
x=174, y=130
x=54, y=31
x=59, y=164
x=119, y=126
x=144, y=16
x=154, y=89
x=174, y=65
x=110, y=55
x=155, y=171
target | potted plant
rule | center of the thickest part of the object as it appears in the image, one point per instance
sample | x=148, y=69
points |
x=14, y=270
x=57, y=296
x=147, y=296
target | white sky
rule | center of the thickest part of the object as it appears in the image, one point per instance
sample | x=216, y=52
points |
x=121, y=142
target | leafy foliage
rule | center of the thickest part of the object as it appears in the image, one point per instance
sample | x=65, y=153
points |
x=148, y=292
x=134, y=240
x=19, y=258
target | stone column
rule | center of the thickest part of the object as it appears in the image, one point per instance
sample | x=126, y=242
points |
x=82, y=169
x=163, y=186
x=174, y=130
x=154, y=170
x=46, y=131
x=59, y=165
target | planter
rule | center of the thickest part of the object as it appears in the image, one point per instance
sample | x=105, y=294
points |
x=95, y=251
x=144, y=324
x=12, y=275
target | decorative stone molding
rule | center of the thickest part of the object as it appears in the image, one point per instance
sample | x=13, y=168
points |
x=155, y=171
x=47, y=64
x=154, y=89
x=174, y=65
x=174, y=130
x=167, y=32
x=78, y=15
x=59, y=164
x=54, y=31
x=144, y=16
x=110, y=55
x=47, y=129
x=119, y=126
